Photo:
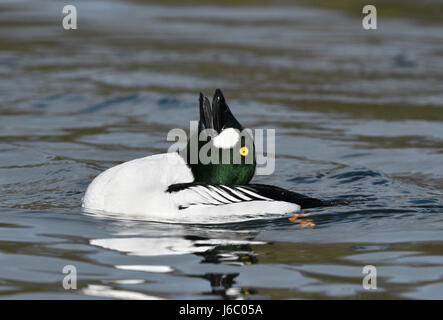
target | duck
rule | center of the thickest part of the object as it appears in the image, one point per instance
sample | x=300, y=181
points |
x=175, y=187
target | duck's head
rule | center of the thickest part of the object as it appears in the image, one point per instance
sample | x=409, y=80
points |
x=229, y=156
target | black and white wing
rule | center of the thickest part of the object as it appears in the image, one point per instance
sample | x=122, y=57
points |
x=197, y=193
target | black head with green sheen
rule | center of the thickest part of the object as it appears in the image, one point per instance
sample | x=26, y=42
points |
x=229, y=149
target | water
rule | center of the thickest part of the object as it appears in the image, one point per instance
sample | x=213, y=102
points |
x=357, y=114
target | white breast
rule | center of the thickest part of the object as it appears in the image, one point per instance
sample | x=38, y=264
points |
x=137, y=188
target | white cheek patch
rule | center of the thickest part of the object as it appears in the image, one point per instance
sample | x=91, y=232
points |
x=227, y=138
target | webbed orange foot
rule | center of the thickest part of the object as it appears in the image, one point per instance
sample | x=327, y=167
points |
x=303, y=222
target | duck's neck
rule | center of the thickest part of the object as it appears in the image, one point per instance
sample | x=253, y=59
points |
x=223, y=173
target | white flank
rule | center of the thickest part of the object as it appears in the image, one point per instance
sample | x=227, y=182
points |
x=137, y=188
x=227, y=138
x=240, y=211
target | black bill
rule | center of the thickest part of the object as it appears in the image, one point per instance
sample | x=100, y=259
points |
x=223, y=117
x=217, y=117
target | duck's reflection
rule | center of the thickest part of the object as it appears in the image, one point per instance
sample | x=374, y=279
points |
x=142, y=246
x=230, y=248
x=233, y=254
x=223, y=284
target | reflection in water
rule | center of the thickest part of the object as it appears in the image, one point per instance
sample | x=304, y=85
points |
x=215, y=245
x=150, y=246
x=146, y=268
x=108, y=292
x=221, y=284
x=234, y=252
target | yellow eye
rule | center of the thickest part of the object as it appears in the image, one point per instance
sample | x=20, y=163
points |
x=244, y=151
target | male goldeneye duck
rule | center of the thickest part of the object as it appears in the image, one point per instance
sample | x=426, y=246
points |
x=173, y=187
